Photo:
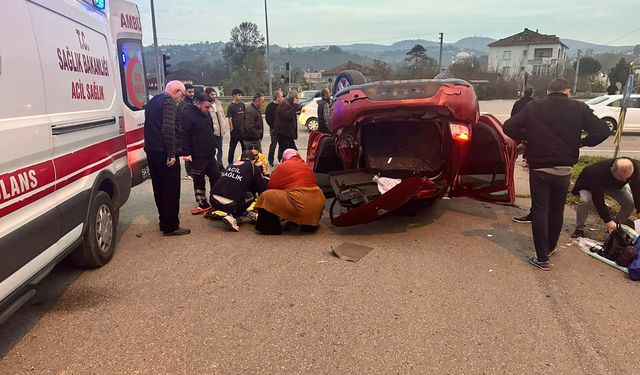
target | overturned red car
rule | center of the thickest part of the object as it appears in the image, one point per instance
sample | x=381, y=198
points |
x=425, y=139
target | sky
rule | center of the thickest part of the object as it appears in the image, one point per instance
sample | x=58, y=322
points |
x=323, y=22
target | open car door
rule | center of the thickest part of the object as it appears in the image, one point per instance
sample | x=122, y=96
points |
x=486, y=173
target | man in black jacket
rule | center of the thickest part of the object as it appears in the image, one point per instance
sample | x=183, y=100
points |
x=323, y=122
x=553, y=129
x=617, y=178
x=237, y=188
x=200, y=142
x=270, y=116
x=518, y=106
x=253, y=128
x=286, y=124
x=235, y=118
x=161, y=148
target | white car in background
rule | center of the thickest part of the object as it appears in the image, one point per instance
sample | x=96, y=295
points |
x=309, y=115
x=607, y=107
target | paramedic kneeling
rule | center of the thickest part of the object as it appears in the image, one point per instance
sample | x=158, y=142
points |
x=237, y=188
x=617, y=178
x=293, y=195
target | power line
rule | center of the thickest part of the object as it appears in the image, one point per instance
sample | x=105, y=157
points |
x=625, y=35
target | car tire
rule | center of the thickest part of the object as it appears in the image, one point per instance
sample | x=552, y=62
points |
x=611, y=123
x=312, y=124
x=348, y=78
x=98, y=243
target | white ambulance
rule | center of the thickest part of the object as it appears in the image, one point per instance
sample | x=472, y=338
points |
x=72, y=93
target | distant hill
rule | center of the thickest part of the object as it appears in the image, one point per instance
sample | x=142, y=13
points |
x=574, y=45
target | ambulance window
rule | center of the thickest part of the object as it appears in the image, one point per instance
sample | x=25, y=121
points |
x=134, y=85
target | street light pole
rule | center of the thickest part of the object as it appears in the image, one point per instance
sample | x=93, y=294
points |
x=575, y=80
x=266, y=21
x=159, y=75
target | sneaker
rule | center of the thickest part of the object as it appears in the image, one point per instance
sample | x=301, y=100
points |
x=577, y=233
x=231, y=223
x=545, y=266
x=177, y=232
x=187, y=177
x=523, y=219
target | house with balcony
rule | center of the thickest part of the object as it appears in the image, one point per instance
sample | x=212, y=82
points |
x=539, y=55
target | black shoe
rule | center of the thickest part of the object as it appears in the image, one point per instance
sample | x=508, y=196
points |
x=545, y=266
x=178, y=232
x=523, y=219
x=577, y=233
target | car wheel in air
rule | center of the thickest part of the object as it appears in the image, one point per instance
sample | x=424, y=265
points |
x=98, y=243
x=348, y=78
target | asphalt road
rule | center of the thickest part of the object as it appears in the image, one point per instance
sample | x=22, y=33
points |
x=447, y=289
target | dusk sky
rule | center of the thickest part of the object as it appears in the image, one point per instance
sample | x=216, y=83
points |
x=304, y=23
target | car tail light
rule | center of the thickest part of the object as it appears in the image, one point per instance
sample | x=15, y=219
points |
x=459, y=131
x=303, y=110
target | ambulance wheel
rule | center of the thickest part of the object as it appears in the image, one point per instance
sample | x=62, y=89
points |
x=99, y=240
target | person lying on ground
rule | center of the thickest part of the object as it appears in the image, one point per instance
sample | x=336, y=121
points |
x=292, y=195
x=237, y=188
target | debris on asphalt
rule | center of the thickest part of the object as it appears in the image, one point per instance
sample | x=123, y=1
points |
x=139, y=235
x=351, y=252
x=489, y=235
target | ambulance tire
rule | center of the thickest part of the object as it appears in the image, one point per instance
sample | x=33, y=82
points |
x=98, y=243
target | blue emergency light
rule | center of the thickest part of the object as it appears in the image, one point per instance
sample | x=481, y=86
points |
x=124, y=58
x=100, y=4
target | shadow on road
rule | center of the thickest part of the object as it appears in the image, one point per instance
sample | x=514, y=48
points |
x=48, y=293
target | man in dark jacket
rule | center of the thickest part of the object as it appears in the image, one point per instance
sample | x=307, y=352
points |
x=237, y=188
x=188, y=99
x=286, y=124
x=197, y=126
x=235, y=118
x=323, y=125
x=160, y=146
x=617, y=178
x=253, y=129
x=270, y=116
x=520, y=103
x=553, y=129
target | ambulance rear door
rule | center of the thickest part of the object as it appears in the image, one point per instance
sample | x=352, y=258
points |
x=126, y=29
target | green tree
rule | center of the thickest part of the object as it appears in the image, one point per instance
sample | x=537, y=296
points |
x=244, y=57
x=588, y=66
x=383, y=68
x=465, y=67
x=620, y=72
x=417, y=55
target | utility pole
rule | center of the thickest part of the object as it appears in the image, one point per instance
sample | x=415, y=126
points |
x=159, y=73
x=575, y=81
x=440, y=58
x=266, y=21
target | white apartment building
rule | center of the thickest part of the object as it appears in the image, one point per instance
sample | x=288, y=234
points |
x=530, y=52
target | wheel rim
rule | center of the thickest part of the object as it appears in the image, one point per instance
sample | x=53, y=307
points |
x=342, y=83
x=611, y=125
x=104, y=228
x=312, y=125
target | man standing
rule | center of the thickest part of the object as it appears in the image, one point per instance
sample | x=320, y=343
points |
x=286, y=126
x=253, y=129
x=323, y=122
x=235, y=116
x=617, y=178
x=553, y=129
x=200, y=146
x=270, y=116
x=188, y=99
x=219, y=122
x=160, y=146
x=518, y=106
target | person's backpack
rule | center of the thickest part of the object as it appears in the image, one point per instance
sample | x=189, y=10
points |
x=634, y=267
x=617, y=243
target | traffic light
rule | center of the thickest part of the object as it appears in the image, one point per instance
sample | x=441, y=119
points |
x=526, y=78
x=165, y=63
x=286, y=66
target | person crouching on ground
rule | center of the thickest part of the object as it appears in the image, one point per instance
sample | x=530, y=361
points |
x=237, y=188
x=293, y=195
x=200, y=140
x=617, y=178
